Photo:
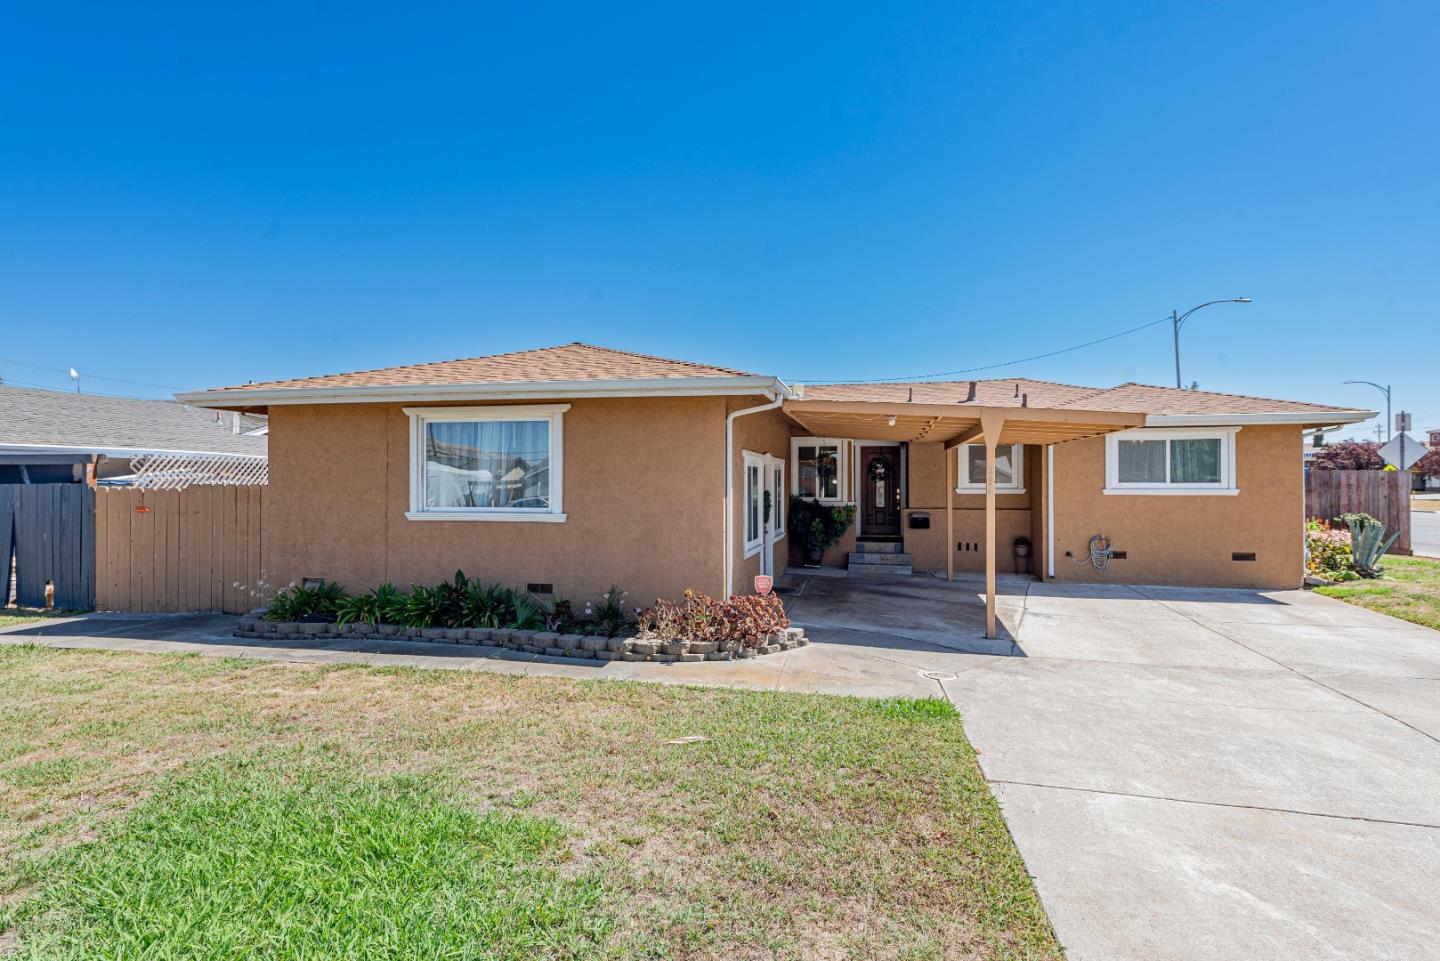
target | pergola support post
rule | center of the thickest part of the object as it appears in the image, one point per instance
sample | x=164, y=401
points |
x=950, y=458
x=992, y=421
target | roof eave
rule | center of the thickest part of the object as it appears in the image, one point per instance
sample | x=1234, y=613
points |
x=121, y=452
x=256, y=397
x=1300, y=418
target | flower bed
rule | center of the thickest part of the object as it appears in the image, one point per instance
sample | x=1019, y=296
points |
x=588, y=647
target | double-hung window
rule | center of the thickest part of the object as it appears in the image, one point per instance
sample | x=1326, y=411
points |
x=1181, y=461
x=1009, y=469
x=486, y=463
x=818, y=471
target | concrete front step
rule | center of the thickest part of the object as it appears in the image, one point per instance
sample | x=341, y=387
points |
x=879, y=547
x=863, y=568
x=865, y=557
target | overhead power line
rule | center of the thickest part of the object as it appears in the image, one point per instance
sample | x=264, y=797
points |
x=90, y=376
x=1008, y=363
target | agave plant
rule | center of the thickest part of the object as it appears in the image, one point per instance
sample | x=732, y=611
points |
x=1367, y=543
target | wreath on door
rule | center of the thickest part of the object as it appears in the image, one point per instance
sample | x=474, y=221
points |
x=879, y=468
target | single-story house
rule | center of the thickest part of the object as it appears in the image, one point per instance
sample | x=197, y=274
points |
x=572, y=468
x=56, y=436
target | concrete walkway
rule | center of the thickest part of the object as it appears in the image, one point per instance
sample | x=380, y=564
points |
x=1189, y=774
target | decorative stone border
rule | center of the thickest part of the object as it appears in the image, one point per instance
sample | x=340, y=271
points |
x=254, y=626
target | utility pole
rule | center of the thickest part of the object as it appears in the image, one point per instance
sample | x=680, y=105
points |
x=1386, y=391
x=1177, y=320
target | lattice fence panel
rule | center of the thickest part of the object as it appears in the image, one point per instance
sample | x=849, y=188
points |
x=173, y=472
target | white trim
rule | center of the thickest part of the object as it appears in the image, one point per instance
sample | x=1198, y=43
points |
x=1050, y=510
x=118, y=451
x=749, y=459
x=538, y=517
x=1227, y=420
x=1177, y=492
x=1224, y=487
x=963, y=485
x=551, y=414
x=511, y=390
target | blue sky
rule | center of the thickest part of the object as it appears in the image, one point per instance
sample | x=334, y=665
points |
x=195, y=196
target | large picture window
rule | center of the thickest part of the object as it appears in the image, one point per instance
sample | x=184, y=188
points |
x=486, y=463
x=1192, y=461
x=1009, y=468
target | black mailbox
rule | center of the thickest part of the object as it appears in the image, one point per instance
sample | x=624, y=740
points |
x=920, y=521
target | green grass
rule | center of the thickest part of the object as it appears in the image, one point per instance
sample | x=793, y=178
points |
x=1410, y=590
x=185, y=806
x=14, y=617
x=300, y=861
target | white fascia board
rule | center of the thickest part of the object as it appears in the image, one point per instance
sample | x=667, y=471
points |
x=523, y=390
x=1227, y=420
x=120, y=451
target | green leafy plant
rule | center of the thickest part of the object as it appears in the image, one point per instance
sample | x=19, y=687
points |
x=379, y=605
x=818, y=526
x=1327, y=549
x=424, y=607
x=1367, y=543
x=608, y=615
x=528, y=615
x=559, y=615
x=297, y=602
x=486, y=605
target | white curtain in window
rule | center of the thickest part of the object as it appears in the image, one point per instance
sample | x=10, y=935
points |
x=496, y=464
x=1195, y=461
x=1142, y=461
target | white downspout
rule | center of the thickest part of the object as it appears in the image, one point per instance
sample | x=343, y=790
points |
x=730, y=480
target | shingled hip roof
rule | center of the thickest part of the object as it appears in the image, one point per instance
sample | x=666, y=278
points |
x=54, y=419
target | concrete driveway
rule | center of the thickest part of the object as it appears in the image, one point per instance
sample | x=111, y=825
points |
x=1204, y=774
x=1189, y=774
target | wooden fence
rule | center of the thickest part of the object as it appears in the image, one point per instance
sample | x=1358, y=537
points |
x=1384, y=495
x=180, y=550
x=52, y=530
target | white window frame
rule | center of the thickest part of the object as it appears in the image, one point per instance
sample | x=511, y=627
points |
x=842, y=479
x=779, y=495
x=962, y=471
x=553, y=414
x=1225, y=487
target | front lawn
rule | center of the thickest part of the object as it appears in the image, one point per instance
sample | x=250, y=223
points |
x=1410, y=590
x=193, y=807
x=15, y=616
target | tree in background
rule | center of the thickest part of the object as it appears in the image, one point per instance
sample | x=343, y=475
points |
x=1350, y=455
x=1429, y=465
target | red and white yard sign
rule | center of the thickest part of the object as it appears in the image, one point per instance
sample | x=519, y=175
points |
x=763, y=583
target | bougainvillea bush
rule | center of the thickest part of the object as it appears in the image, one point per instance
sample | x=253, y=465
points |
x=1327, y=552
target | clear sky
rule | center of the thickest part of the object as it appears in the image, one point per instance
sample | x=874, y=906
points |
x=193, y=195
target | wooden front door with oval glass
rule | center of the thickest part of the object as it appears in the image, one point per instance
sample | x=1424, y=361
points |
x=879, y=492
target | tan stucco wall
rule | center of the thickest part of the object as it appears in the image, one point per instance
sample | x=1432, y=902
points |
x=643, y=491
x=927, y=493
x=1188, y=540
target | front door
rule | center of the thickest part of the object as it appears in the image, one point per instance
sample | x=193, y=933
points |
x=880, y=491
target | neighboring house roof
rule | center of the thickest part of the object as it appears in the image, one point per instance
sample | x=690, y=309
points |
x=52, y=419
x=567, y=362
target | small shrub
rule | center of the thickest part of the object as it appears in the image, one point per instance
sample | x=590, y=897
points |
x=295, y=602
x=486, y=606
x=743, y=619
x=1368, y=543
x=527, y=614
x=1327, y=549
x=379, y=605
x=424, y=607
x=558, y=614
x=609, y=615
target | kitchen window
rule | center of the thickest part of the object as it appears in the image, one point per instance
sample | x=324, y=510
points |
x=1009, y=469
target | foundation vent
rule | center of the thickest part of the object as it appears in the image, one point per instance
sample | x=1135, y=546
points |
x=540, y=588
x=1117, y=555
x=1243, y=556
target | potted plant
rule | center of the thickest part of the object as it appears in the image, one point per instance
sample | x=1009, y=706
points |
x=818, y=526
x=1022, y=554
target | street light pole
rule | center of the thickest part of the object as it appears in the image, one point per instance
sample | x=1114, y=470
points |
x=1177, y=320
x=1389, y=424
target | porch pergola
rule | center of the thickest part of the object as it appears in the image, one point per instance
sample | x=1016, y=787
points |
x=954, y=425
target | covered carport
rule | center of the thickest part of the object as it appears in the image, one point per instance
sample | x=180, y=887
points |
x=955, y=424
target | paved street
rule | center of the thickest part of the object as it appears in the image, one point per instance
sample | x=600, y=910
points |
x=1425, y=532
